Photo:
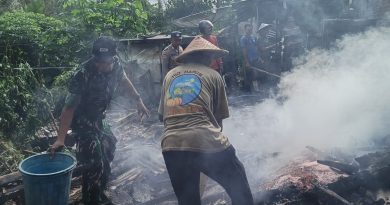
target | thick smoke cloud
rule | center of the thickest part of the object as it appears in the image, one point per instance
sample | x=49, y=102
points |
x=333, y=98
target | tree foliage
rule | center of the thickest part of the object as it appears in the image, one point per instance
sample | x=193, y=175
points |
x=37, y=40
x=110, y=17
x=25, y=102
x=31, y=39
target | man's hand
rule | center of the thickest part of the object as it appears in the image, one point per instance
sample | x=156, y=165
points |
x=57, y=145
x=142, y=110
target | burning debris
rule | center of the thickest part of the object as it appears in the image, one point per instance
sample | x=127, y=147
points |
x=307, y=181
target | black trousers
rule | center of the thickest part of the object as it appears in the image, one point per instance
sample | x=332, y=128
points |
x=184, y=169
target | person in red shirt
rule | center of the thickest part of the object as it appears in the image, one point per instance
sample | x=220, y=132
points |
x=206, y=29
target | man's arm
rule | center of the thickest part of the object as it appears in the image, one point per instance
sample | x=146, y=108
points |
x=65, y=121
x=71, y=103
x=221, y=108
x=142, y=110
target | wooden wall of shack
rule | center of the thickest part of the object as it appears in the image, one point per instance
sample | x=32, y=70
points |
x=142, y=63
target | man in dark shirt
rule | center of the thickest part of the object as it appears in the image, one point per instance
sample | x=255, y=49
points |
x=90, y=92
x=251, y=55
x=248, y=45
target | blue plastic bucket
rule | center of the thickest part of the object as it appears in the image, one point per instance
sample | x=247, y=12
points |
x=46, y=179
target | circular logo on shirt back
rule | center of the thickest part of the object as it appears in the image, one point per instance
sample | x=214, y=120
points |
x=184, y=89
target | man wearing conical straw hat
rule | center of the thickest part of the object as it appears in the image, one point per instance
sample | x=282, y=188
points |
x=193, y=104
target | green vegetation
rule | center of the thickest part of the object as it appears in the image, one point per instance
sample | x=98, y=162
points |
x=37, y=39
x=10, y=157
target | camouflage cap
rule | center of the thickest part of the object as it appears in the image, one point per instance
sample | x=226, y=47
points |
x=104, y=47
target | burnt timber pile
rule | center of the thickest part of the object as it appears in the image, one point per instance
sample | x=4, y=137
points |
x=337, y=179
x=316, y=176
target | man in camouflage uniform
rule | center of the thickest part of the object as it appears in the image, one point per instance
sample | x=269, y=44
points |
x=90, y=91
x=169, y=54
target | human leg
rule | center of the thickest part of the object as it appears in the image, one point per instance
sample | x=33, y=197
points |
x=225, y=168
x=108, y=144
x=184, y=176
x=89, y=154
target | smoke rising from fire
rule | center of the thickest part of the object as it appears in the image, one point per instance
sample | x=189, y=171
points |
x=332, y=98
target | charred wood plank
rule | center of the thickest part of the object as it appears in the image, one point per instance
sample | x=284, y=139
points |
x=320, y=154
x=10, y=178
x=353, y=183
x=346, y=168
x=11, y=193
x=127, y=177
x=29, y=152
x=362, y=182
x=126, y=119
x=333, y=195
x=374, y=160
x=166, y=197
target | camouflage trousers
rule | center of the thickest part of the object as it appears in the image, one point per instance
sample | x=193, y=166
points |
x=95, y=151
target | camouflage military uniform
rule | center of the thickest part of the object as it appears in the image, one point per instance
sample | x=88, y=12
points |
x=96, y=145
x=168, y=58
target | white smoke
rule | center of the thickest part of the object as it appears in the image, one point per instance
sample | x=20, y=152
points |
x=332, y=98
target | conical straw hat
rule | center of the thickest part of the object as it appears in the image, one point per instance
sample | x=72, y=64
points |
x=199, y=44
